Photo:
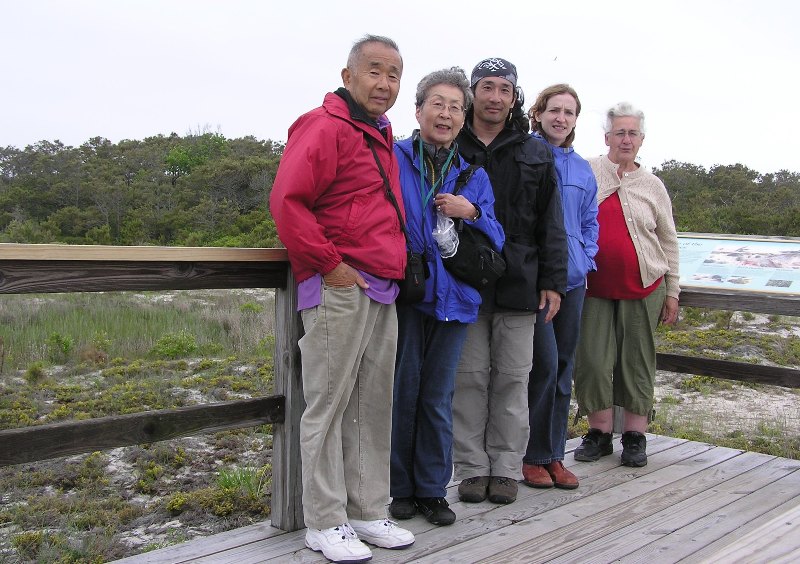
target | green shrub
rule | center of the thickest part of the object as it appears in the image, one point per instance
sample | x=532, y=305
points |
x=35, y=373
x=59, y=347
x=28, y=544
x=175, y=345
x=177, y=502
x=251, y=307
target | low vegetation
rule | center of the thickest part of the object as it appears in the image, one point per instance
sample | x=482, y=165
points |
x=81, y=356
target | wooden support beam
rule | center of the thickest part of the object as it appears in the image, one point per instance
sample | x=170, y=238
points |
x=40, y=442
x=741, y=371
x=287, y=483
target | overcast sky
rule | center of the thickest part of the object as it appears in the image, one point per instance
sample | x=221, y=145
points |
x=718, y=80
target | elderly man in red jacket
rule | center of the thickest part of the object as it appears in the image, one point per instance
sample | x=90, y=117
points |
x=347, y=250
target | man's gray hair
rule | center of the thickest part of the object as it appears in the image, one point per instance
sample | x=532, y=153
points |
x=624, y=109
x=454, y=76
x=352, y=59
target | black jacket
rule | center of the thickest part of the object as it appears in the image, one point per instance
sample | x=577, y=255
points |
x=528, y=206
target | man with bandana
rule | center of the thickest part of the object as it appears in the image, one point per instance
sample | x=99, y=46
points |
x=490, y=407
x=331, y=205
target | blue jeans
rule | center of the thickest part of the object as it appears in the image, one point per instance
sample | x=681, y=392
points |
x=422, y=416
x=550, y=383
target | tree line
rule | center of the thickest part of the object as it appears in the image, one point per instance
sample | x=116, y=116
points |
x=205, y=190
x=197, y=190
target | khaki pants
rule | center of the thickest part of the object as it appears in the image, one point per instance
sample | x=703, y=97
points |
x=348, y=355
x=490, y=405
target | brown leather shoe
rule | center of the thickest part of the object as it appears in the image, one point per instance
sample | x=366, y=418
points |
x=473, y=490
x=562, y=478
x=502, y=490
x=535, y=476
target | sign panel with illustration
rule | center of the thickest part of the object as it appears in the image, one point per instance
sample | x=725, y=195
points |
x=765, y=265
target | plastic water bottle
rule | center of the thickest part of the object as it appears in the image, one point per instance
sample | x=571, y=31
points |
x=445, y=235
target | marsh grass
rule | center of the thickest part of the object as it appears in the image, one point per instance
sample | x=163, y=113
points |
x=57, y=328
x=248, y=480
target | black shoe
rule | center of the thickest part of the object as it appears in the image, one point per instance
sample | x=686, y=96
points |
x=634, y=446
x=436, y=510
x=402, y=508
x=595, y=444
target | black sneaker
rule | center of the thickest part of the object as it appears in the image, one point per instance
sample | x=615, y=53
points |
x=402, y=508
x=436, y=510
x=634, y=446
x=595, y=444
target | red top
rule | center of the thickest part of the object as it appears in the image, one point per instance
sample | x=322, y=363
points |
x=617, y=276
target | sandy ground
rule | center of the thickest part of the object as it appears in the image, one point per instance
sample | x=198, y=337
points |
x=763, y=410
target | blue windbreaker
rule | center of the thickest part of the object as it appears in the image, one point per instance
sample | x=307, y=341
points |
x=579, y=201
x=446, y=297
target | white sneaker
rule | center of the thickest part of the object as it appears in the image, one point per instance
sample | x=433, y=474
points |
x=338, y=544
x=383, y=533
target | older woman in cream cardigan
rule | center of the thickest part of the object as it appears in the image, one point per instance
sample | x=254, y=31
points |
x=634, y=288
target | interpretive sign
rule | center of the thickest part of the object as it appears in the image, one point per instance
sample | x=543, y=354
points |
x=760, y=265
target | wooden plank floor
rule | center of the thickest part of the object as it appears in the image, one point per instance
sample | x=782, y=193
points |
x=693, y=502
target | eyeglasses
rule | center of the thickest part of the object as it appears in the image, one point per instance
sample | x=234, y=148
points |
x=439, y=107
x=632, y=133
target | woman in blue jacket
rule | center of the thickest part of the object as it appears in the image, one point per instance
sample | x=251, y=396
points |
x=431, y=333
x=553, y=116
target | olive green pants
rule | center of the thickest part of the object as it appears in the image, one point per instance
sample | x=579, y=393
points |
x=615, y=363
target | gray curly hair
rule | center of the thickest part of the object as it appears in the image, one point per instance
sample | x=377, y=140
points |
x=624, y=109
x=454, y=76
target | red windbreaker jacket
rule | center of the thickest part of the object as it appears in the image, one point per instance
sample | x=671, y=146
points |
x=329, y=201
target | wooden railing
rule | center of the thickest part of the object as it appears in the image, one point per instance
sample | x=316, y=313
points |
x=61, y=268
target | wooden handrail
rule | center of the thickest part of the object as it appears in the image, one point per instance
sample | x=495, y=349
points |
x=30, y=252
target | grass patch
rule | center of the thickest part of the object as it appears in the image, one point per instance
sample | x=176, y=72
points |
x=55, y=328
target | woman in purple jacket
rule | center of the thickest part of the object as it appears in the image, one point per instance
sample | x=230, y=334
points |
x=553, y=117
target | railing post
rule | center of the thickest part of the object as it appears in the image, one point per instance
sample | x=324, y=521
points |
x=287, y=484
x=619, y=419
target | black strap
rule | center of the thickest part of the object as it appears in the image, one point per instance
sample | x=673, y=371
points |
x=389, y=194
x=463, y=178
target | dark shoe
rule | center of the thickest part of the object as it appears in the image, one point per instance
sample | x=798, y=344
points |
x=535, y=476
x=473, y=490
x=595, y=444
x=562, y=478
x=436, y=510
x=634, y=446
x=402, y=508
x=502, y=490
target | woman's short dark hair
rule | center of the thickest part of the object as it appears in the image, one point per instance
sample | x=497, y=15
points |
x=454, y=76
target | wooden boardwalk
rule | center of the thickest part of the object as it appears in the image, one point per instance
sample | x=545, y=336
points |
x=693, y=502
